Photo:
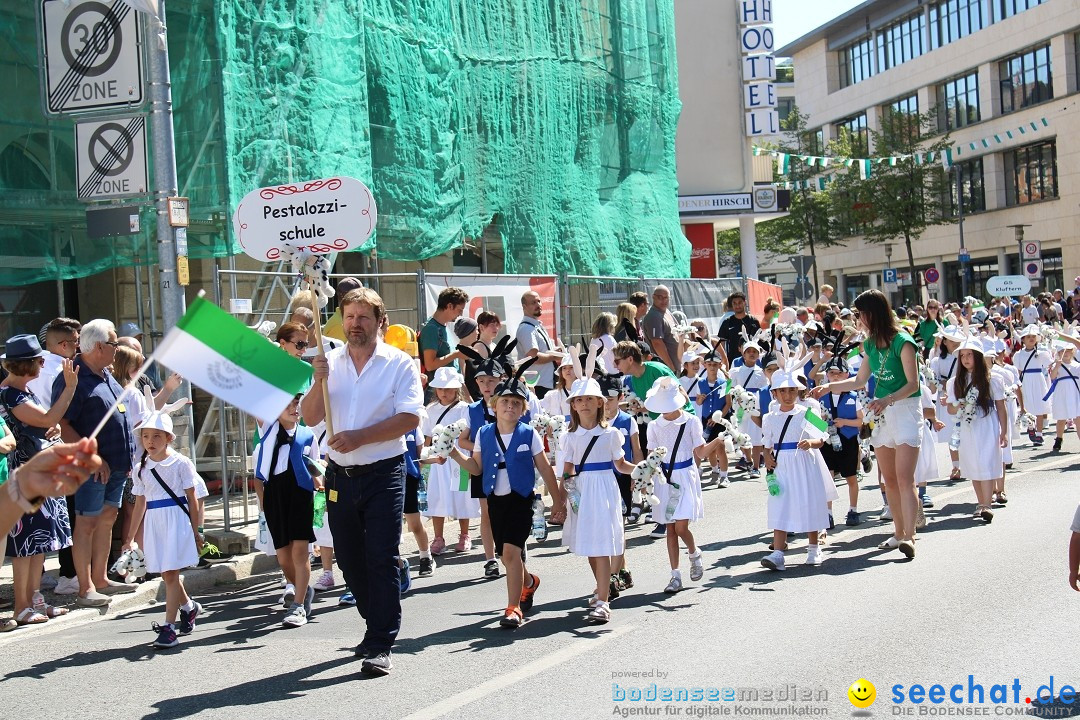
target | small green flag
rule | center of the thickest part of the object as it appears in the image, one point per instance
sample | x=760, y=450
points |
x=818, y=422
x=853, y=353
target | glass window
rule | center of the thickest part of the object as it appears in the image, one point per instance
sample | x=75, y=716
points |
x=1003, y=9
x=784, y=106
x=971, y=188
x=953, y=19
x=958, y=102
x=1031, y=173
x=906, y=111
x=1025, y=79
x=856, y=62
x=860, y=137
x=900, y=42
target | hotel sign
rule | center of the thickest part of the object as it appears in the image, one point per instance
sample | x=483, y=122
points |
x=757, y=43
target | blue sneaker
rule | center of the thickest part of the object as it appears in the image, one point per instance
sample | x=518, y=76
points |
x=187, y=620
x=927, y=502
x=852, y=518
x=166, y=636
x=406, y=579
x=347, y=599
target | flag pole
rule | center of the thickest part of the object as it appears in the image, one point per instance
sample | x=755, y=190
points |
x=322, y=353
x=119, y=398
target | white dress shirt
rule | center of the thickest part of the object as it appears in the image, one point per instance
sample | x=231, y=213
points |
x=41, y=386
x=388, y=385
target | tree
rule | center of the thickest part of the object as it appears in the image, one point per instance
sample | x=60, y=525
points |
x=906, y=196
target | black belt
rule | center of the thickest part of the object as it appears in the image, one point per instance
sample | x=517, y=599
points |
x=354, y=471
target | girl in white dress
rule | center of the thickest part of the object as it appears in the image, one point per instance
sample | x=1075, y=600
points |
x=791, y=455
x=557, y=401
x=751, y=377
x=1033, y=363
x=592, y=454
x=446, y=496
x=679, y=489
x=165, y=492
x=927, y=467
x=1065, y=392
x=977, y=397
x=943, y=366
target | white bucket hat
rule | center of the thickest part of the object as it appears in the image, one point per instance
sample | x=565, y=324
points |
x=1031, y=329
x=447, y=378
x=585, y=387
x=951, y=332
x=158, y=420
x=973, y=343
x=665, y=396
x=786, y=379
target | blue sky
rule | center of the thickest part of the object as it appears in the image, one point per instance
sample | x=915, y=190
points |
x=794, y=18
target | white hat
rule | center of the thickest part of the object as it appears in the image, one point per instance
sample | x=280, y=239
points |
x=989, y=346
x=566, y=361
x=690, y=356
x=951, y=332
x=786, y=379
x=447, y=378
x=666, y=395
x=1031, y=329
x=158, y=420
x=585, y=387
x=972, y=343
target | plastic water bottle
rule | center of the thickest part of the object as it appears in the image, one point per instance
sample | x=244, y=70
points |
x=772, y=483
x=539, y=523
x=320, y=510
x=572, y=493
x=673, y=500
x=421, y=496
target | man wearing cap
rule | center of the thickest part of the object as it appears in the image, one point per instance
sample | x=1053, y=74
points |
x=375, y=398
x=97, y=502
x=533, y=341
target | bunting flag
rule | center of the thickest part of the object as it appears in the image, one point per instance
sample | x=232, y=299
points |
x=864, y=169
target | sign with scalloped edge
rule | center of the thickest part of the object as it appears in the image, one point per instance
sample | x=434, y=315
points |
x=322, y=216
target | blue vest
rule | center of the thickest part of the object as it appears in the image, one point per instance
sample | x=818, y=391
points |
x=845, y=411
x=625, y=425
x=807, y=370
x=477, y=418
x=713, y=400
x=301, y=441
x=519, y=465
x=765, y=398
x=412, y=455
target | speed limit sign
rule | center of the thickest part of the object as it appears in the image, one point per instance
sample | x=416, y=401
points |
x=91, y=56
x=1032, y=250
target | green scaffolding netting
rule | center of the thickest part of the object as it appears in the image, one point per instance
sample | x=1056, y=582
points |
x=550, y=123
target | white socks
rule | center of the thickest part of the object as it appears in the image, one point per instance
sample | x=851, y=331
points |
x=189, y=606
x=425, y=553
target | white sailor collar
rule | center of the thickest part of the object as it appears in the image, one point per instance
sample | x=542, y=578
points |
x=663, y=422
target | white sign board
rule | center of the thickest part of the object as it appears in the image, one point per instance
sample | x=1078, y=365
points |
x=92, y=55
x=756, y=45
x=322, y=216
x=1008, y=285
x=500, y=295
x=110, y=158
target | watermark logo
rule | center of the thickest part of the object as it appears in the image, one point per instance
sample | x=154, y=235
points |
x=862, y=693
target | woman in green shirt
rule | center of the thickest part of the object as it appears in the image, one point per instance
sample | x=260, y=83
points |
x=929, y=326
x=891, y=359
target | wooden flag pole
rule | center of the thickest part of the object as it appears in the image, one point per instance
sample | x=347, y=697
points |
x=322, y=353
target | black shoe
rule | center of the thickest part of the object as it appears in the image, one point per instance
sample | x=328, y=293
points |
x=867, y=464
x=491, y=569
x=187, y=620
x=377, y=665
x=1057, y=444
x=426, y=567
x=658, y=532
x=362, y=651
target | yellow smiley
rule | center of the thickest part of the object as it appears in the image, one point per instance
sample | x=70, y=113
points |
x=862, y=693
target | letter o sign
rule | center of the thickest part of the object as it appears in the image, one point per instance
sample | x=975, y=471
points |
x=757, y=39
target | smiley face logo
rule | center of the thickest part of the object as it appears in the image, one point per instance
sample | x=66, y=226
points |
x=862, y=693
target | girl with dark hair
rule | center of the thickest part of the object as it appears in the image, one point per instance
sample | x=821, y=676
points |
x=891, y=358
x=977, y=397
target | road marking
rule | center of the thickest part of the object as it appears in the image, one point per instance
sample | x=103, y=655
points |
x=496, y=684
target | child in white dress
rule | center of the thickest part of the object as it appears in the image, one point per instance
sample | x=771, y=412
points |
x=977, y=397
x=679, y=489
x=1065, y=391
x=793, y=462
x=446, y=496
x=557, y=401
x=164, y=488
x=943, y=366
x=750, y=377
x=1033, y=363
x=593, y=453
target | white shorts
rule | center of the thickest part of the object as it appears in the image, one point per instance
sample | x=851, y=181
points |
x=903, y=425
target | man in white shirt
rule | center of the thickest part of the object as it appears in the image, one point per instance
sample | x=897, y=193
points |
x=1029, y=312
x=375, y=399
x=62, y=343
x=533, y=341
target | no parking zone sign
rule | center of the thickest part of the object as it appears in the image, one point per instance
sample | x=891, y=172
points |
x=110, y=158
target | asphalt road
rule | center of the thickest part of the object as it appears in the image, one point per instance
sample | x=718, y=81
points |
x=988, y=601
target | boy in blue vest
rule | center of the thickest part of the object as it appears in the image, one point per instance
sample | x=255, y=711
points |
x=846, y=416
x=613, y=389
x=505, y=456
x=710, y=393
x=285, y=463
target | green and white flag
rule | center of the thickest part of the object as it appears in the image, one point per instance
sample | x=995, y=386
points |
x=227, y=359
x=815, y=422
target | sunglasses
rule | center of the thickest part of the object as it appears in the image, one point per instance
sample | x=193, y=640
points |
x=301, y=344
x=112, y=343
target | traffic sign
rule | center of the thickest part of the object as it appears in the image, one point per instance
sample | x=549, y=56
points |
x=110, y=158
x=802, y=264
x=1032, y=250
x=888, y=275
x=964, y=256
x=92, y=55
x=931, y=275
x=803, y=288
x=1033, y=269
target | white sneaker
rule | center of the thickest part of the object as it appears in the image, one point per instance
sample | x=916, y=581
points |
x=288, y=596
x=774, y=560
x=814, y=556
x=67, y=586
x=724, y=482
x=326, y=581
x=886, y=513
x=296, y=617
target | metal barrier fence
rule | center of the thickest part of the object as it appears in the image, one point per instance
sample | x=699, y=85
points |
x=224, y=442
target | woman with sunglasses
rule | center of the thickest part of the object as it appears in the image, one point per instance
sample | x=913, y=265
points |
x=929, y=326
x=891, y=359
x=35, y=429
x=292, y=337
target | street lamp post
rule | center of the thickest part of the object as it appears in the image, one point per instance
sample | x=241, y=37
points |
x=1018, y=234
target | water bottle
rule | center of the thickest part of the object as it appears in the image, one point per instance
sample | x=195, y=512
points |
x=320, y=509
x=674, y=495
x=421, y=496
x=572, y=493
x=772, y=483
x=539, y=524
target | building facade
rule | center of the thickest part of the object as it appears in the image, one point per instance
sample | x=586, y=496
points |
x=990, y=67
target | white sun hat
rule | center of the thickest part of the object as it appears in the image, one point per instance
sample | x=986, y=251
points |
x=1031, y=329
x=446, y=378
x=666, y=395
x=586, y=387
x=158, y=420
